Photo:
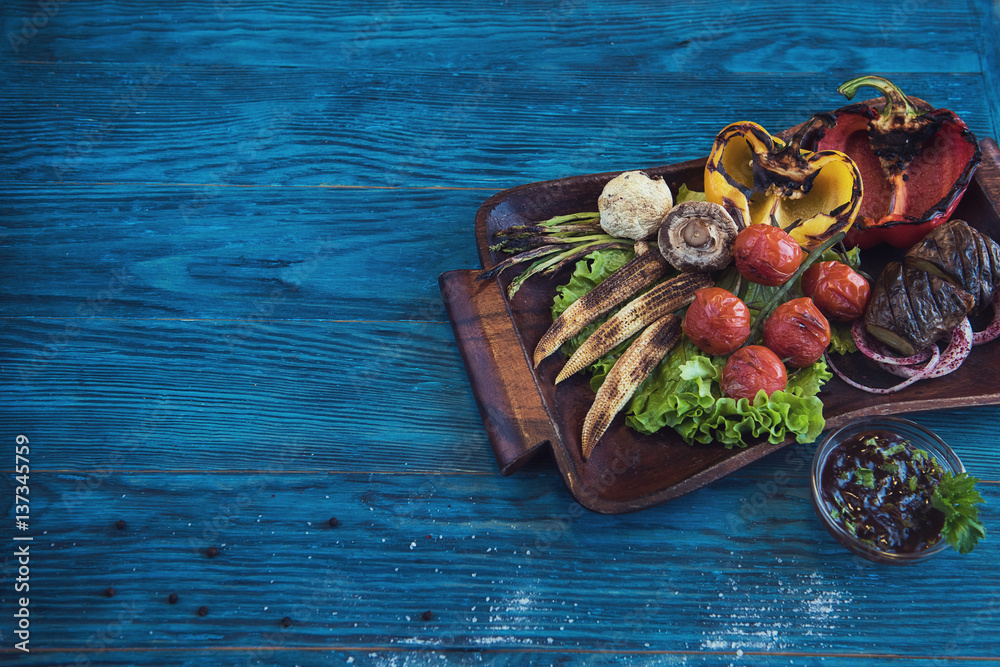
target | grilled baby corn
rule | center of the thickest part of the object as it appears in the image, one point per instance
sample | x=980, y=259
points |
x=631, y=369
x=640, y=272
x=665, y=298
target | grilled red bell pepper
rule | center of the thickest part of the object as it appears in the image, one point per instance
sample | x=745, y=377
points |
x=915, y=163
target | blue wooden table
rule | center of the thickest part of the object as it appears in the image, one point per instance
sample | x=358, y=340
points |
x=221, y=227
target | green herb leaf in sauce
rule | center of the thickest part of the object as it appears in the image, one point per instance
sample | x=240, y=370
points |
x=866, y=477
x=956, y=496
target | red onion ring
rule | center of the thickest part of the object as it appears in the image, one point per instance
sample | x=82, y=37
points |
x=958, y=349
x=873, y=348
x=992, y=332
x=935, y=356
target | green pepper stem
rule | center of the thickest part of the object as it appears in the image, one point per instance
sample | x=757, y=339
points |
x=896, y=102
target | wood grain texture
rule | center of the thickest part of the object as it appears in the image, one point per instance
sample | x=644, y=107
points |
x=107, y=394
x=221, y=226
x=497, y=580
x=274, y=253
x=510, y=404
x=273, y=126
x=309, y=656
x=989, y=35
x=630, y=471
x=526, y=34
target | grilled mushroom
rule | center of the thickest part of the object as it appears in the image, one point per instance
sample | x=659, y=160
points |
x=697, y=236
x=632, y=205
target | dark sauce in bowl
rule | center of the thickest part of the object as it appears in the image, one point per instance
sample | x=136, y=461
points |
x=878, y=486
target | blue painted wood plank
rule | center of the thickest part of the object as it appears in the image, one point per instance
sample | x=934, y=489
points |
x=989, y=48
x=211, y=126
x=261, y=254
x=522, y=575
x=274, y=652
x=553, y=36
x=269, y=353
x=210, y=395
x=381, y=397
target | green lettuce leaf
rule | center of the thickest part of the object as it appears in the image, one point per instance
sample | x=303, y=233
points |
x=841, y=341
x=588, y=274
x=683, y=393
x=684, y=194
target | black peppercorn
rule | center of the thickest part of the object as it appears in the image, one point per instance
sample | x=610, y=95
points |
x=286, y=622
x=203, y=610
x=172, y=598
x=212, y=552
x=109, y=592
x=334, y=522
x=120, y=524
x=427, y=615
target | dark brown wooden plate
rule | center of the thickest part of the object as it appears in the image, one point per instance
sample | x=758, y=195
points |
x=523, y=410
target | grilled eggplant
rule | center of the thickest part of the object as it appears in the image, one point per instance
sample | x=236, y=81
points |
x=911, y=308
x=964, y=257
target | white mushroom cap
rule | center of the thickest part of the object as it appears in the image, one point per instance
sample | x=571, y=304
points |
x=632, y=205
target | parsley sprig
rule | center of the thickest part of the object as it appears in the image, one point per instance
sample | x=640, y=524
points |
x=957, y=497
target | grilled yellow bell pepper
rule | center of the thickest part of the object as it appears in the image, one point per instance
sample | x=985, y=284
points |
x=760, y=179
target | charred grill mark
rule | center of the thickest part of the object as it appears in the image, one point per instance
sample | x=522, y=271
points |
x=961, y=256
x=836, y=213
x=794, y=225
x=640, y=313
x=917, y=307
x=786, y=175
x=628, y=373
x=624, y=283
x=716, y=166
x=760, y=135
x=735, y=212
x=897, y=146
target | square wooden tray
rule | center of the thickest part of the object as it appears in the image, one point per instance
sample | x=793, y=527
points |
x=523, y=410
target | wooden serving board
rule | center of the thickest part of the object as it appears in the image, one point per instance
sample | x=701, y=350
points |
x=523, y=410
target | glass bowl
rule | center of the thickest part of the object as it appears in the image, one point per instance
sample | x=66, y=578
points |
x=918, y=436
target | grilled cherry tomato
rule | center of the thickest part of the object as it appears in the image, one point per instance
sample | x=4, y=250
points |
x=797, y=332
x=750, y=369
x=717, y=321
x=766, y=255
x=837, y=289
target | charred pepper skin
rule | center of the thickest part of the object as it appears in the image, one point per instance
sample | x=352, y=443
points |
x=760, y=179
x=916, y=162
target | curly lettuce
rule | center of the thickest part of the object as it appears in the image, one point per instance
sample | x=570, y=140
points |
x=684, y=394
